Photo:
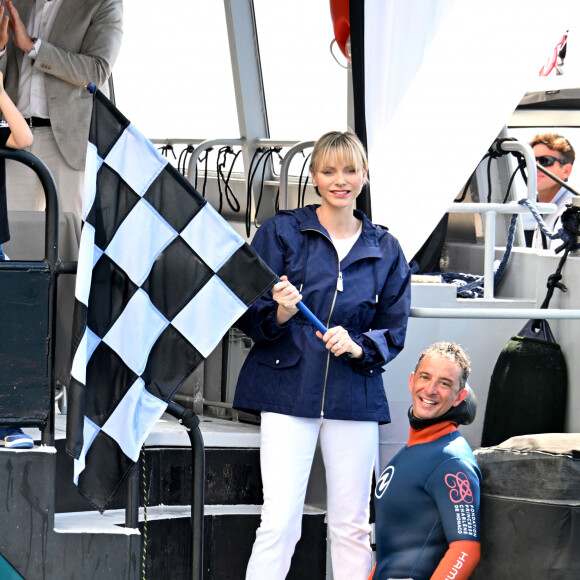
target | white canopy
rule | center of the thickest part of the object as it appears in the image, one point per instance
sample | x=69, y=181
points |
x=442, y=78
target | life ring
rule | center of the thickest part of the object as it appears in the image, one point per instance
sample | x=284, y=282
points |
x=340, y=14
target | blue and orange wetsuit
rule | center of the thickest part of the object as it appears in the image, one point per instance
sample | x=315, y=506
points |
x=427, y=508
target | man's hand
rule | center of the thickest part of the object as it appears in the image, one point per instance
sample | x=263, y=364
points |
x=21, y=37
x=4, y=19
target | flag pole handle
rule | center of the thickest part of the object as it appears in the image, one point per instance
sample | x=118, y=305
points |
x=316, y=322
x=311, y=316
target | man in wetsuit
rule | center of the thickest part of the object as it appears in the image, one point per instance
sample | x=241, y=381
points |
x=427, y=498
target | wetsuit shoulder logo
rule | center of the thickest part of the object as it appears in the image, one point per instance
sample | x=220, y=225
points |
x=384, y=480
x=459, y=488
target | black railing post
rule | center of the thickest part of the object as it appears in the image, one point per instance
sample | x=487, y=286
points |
x=51, y=261
x=191, y=421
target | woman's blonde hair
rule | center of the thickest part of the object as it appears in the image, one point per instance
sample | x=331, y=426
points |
x=346, y=145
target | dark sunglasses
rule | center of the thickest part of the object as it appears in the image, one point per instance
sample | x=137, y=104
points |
x=548, y=161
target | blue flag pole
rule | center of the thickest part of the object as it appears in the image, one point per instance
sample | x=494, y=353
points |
x=317, y=324
x=310, y=315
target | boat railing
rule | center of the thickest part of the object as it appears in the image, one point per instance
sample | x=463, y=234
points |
x=285, y=169
x=489, y=211
x=204, y=146
x=496, y=313
x=33, y=400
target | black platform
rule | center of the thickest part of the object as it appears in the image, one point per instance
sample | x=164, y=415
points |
x=530, y=508
x=60, y=536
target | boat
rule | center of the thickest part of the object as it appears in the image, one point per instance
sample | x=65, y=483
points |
x=207, y=104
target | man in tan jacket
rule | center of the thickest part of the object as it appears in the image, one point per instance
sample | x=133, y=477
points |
x=50, y=50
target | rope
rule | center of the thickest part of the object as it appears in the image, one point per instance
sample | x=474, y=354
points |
x=490, y=158
x=571, y=225
x=248, y=220
x=183, y=158
x=144, y=478
x=520, y=167
x=264, y=159
x=302, y=188
x=565, y=234
x=471, y=286
x=205, y=161
x=231, y=199
x=264, y=154
x=165, y=149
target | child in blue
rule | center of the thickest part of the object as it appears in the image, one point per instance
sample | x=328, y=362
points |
x=15, y=134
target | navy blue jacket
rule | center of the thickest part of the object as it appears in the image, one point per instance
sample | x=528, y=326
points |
x=289, y=370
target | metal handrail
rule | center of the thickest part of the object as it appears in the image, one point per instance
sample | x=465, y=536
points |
x=501, y=208
x=52, y=263
x=204, y=146
x=284, y=169
x=495, y=313
x=492, y=209
x=49, y=188
x=510, y=146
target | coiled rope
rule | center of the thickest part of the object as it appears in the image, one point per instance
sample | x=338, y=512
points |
x=145, y=502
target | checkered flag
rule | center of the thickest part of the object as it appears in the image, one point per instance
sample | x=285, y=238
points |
x=161, y=278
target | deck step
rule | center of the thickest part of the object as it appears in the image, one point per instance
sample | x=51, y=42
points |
x=229, y=532
x=28, y=541
x=232, y=476
x=233, y=497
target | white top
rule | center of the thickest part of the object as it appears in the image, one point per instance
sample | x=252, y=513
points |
x=32, y=100
x=343, y=245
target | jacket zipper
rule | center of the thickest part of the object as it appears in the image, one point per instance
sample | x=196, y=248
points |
x=336, y=290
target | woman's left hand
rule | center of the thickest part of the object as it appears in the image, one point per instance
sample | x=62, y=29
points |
x=338, y=342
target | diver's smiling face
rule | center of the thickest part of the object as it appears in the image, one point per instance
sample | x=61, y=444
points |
x=434, y=386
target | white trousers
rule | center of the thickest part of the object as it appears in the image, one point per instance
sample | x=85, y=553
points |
x=23, y=188
x=286, y=453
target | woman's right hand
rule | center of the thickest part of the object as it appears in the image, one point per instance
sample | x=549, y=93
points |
x=287, y=296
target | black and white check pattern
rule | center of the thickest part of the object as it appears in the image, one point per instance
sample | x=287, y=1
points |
x=161, y=278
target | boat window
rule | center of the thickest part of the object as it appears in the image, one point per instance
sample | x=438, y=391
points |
x=305, y=87
x=173, y=77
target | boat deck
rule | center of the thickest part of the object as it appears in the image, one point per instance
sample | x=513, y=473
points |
x=168, y=432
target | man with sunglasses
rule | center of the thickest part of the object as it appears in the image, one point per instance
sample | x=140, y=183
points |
x=556, y=154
